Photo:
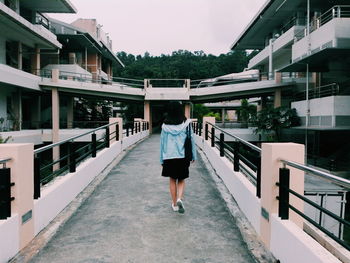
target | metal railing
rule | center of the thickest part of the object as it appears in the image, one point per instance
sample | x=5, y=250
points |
x=5, y=190
x=319, y=92
x=285, y=191
x=245, y=156
x=222, y=81
x=167, y=83
x=93, y=78
x=131, y=128
x=338, y=11
x=46, y=169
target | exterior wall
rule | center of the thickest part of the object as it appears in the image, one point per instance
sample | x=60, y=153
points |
x=89, y=25
x=333, y=108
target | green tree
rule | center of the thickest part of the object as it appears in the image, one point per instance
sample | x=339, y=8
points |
x=199, y=111
x=246, y=112
x=271, y=121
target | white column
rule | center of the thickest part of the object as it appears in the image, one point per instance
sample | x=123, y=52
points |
x=55, y=124
x=270, y=164
x=271, y=59
x=22, y=167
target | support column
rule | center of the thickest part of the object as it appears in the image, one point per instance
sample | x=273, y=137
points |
x=271, y=59
x=277, y=98
x=17, y=110
x=210, y=120
x=188, y=110
x=22, y=167
x=36, y=62
x=270, y=164
x=71, y=58
x=55, y=124
x=36, y=113
x=223, y=115
x=147, y=114
x=20, y=56
x=70, y=112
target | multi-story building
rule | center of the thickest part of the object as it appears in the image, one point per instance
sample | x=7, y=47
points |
x=307, y=43
x=31, y=46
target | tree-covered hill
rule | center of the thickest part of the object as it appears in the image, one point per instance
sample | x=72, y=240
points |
x=181, y=64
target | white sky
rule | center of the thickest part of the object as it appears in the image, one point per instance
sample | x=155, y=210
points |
x=163, y=26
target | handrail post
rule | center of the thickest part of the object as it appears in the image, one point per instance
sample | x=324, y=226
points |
x=107, y=137
x=200, y=129
x=222, y=145
x=236, y=156
x=206, y=131
x=94, y=145
x=37, y=193
x=117, y=132
x=71, y=157
x=212, y=136
x=132, y=128
x=127, y=131
x=258, y=176
x=283, y=204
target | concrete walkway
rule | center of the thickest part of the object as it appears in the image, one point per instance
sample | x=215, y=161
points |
x=128, y=218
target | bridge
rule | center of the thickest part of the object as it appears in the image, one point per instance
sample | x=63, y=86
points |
x=105, y=202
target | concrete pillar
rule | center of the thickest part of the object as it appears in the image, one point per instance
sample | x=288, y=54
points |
x=20, y=56
x=86, y=59
x=71, y=58
x=70, y=112
x=55, y=75
x=55, y=124
x=210, y=120
x=36, y=62
x=223, y=115
x=17, y=110
x=36, y=112
x=112, y=128
x=147, y=114
x=271, y=59
x=188, y=110
x=277, y=98
x=278, y=77
x=270, y=164
x=22, y=167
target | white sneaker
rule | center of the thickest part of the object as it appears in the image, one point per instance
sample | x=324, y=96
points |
x=180, y=206
x=175, y=208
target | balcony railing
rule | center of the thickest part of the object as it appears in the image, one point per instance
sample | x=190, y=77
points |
x=339, y=11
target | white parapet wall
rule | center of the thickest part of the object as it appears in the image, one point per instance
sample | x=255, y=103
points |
x=56, y=195
x=288, y=242
x=9, y=241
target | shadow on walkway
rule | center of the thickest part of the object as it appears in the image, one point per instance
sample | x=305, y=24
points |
x=128, y=218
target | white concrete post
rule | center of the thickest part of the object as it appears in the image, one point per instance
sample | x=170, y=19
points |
x=55, y=125
x=271, y=59
x=205, y=120
x=22, y=174
x=270, y=164
x=188, y=110
x=147, y=114
x=277, y=98
x=55, y=75
x=112, y=128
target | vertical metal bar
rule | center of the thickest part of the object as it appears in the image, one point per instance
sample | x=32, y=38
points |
x=258, y=176
x=222, y=145
x=236, y=156
x=94, y=145
x=117, y=132
x=132, y=128
x=321, y=204
x=5, y=193
x=212, y=136
x=200, y=129
x=71, y=157
x=127, y=131
x=206, y=131
x=37, y=177
x=107, y=137
x=283, y=204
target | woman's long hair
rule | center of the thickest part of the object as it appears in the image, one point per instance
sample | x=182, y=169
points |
x=175, y=113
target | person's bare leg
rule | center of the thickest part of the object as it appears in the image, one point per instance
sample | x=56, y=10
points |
x=173, y=190
x=180, y=188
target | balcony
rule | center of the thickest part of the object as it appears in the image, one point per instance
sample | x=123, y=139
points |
x=15, y=27
x=330, y=31
x=280, y=43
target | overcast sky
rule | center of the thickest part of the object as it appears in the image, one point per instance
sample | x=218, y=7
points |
x=162, y=26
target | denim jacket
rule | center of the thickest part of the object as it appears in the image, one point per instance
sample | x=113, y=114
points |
x=172, y=140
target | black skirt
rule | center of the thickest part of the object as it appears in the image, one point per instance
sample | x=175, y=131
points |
x=176, y=168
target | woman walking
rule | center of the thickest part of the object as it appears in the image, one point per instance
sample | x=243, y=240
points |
x=175, y=129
